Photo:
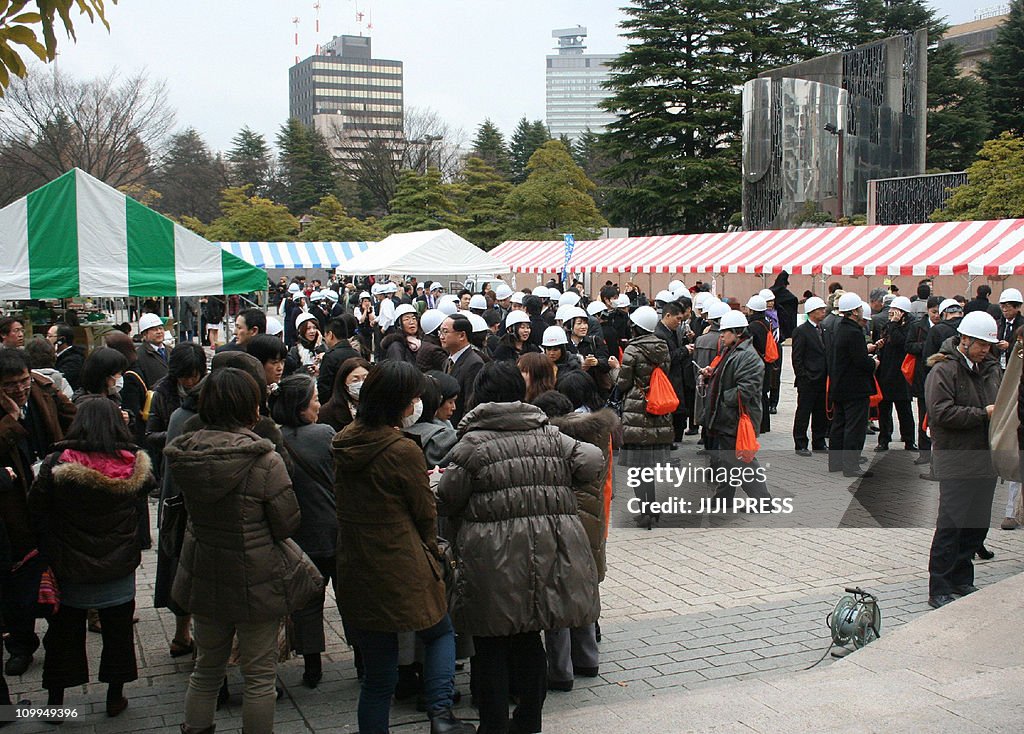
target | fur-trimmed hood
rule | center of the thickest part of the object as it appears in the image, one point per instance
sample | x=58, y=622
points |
x=593, y=428
x=122, y=474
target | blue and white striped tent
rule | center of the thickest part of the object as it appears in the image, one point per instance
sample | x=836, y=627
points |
x=296, y=255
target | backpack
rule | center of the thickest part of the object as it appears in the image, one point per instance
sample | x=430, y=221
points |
x=771, y=349
x=661, y=397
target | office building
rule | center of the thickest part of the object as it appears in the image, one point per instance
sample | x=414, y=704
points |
x=975, y=38
x=348, y=95
x=574, y=86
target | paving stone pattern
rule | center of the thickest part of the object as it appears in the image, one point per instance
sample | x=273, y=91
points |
x=684, y=608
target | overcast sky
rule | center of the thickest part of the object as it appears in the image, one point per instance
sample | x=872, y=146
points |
x=226, y=61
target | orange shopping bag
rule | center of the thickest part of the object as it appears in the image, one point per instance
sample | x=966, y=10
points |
x=875, y=400
x=771, y=349
x=746, y=439
x=661, y=397
x=908, y=368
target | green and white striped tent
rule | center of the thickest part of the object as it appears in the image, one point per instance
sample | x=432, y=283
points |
x=77, y=236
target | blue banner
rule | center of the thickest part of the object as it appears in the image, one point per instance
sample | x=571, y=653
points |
x=570, y=245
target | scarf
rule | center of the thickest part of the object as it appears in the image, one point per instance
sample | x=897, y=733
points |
x=413, y=342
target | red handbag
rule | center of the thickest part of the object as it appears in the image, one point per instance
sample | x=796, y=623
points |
x=908, y=368
x=876, y=399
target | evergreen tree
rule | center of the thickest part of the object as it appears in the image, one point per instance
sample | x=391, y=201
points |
x=958, y=122
x=675, y=144
x=331, y=223
x=249, y=160
x=489, y=146
x=555, y=199
x=528, y=136
x=190, y=178
x=808, y=28
x=421, y=202
x=307, y=168
x=871, y=20
x=1004, y=73
x=479, y=197
x=251, y=219
x=995, y=184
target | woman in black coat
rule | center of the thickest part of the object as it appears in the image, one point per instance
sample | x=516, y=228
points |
x=892, y=350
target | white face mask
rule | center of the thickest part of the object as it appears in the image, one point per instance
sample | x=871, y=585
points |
x=417, y=412
x=119, y=383
x=354, y=388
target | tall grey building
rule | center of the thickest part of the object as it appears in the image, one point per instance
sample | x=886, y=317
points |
x=348, y=95
x=574, y=91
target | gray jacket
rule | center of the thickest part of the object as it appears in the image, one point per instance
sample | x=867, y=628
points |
x=741, y=375
x=524, y=560
x=436, y=438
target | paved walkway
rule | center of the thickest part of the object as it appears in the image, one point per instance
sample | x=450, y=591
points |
x=699, y=605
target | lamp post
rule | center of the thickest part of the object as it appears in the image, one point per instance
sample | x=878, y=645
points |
x=837, y=132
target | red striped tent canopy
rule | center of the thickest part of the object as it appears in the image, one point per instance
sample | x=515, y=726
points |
x=946, y=248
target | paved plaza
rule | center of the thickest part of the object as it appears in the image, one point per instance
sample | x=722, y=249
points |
x=687, y=608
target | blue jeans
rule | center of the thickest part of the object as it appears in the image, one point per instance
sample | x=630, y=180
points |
x=380, y=661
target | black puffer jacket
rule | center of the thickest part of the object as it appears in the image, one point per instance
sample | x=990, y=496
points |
x=640, y=428
x=524, y=561
x=956, y=396
x=84, y=505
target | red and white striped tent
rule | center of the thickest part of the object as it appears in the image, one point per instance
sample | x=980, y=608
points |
x=947, y=248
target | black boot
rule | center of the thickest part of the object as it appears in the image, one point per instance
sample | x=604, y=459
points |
x=313, y=670
x=444, y=722
x=984, y=554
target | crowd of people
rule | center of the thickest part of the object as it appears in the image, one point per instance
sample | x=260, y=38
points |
x=445, y=462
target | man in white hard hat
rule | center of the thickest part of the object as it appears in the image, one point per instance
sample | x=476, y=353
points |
x=503, y=299
x=950, y=313
x=811, y=370
x=152, y=352
x=960, y=392
x=851, y=384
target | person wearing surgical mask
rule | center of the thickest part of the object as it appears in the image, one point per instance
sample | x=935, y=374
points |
x=341, y=409
x=388, y=562
x=103, y=374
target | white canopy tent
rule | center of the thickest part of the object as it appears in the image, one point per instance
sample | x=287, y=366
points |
x=434, y=253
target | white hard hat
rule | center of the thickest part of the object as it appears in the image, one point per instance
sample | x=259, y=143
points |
x=294, y=288
x=733, y=320
x=766, y=294
x=376, y=289
x=902, y=303
x=813, y=304
x=979, y=325
x=390, y=287
x=718, y=309
x=562, y=312
x=317, y=296
x=274, y=327
x=665, y=297
x=431, y=319
x=364, y=294
x=403, y=310
x=865, y=308
x=436, y=286
x=554, y=336
x=298, y=296
x=569, y=298
x=683, y=292
x=950, y=303
x=478, y=323
x=596, y=307
x=478, y=301
x=303, y=318
x=622, y=301
x=1011, y=295
x=502, y=291
x=756, y=303
x=674, y=285
x=518, y=297
x=149, y=321
x=574, y=312
x=516, y=317
x=447, y=307
x=542, y=292
x=645, y=317
x=331, y=295
x=699, y=299
x=849, y=302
